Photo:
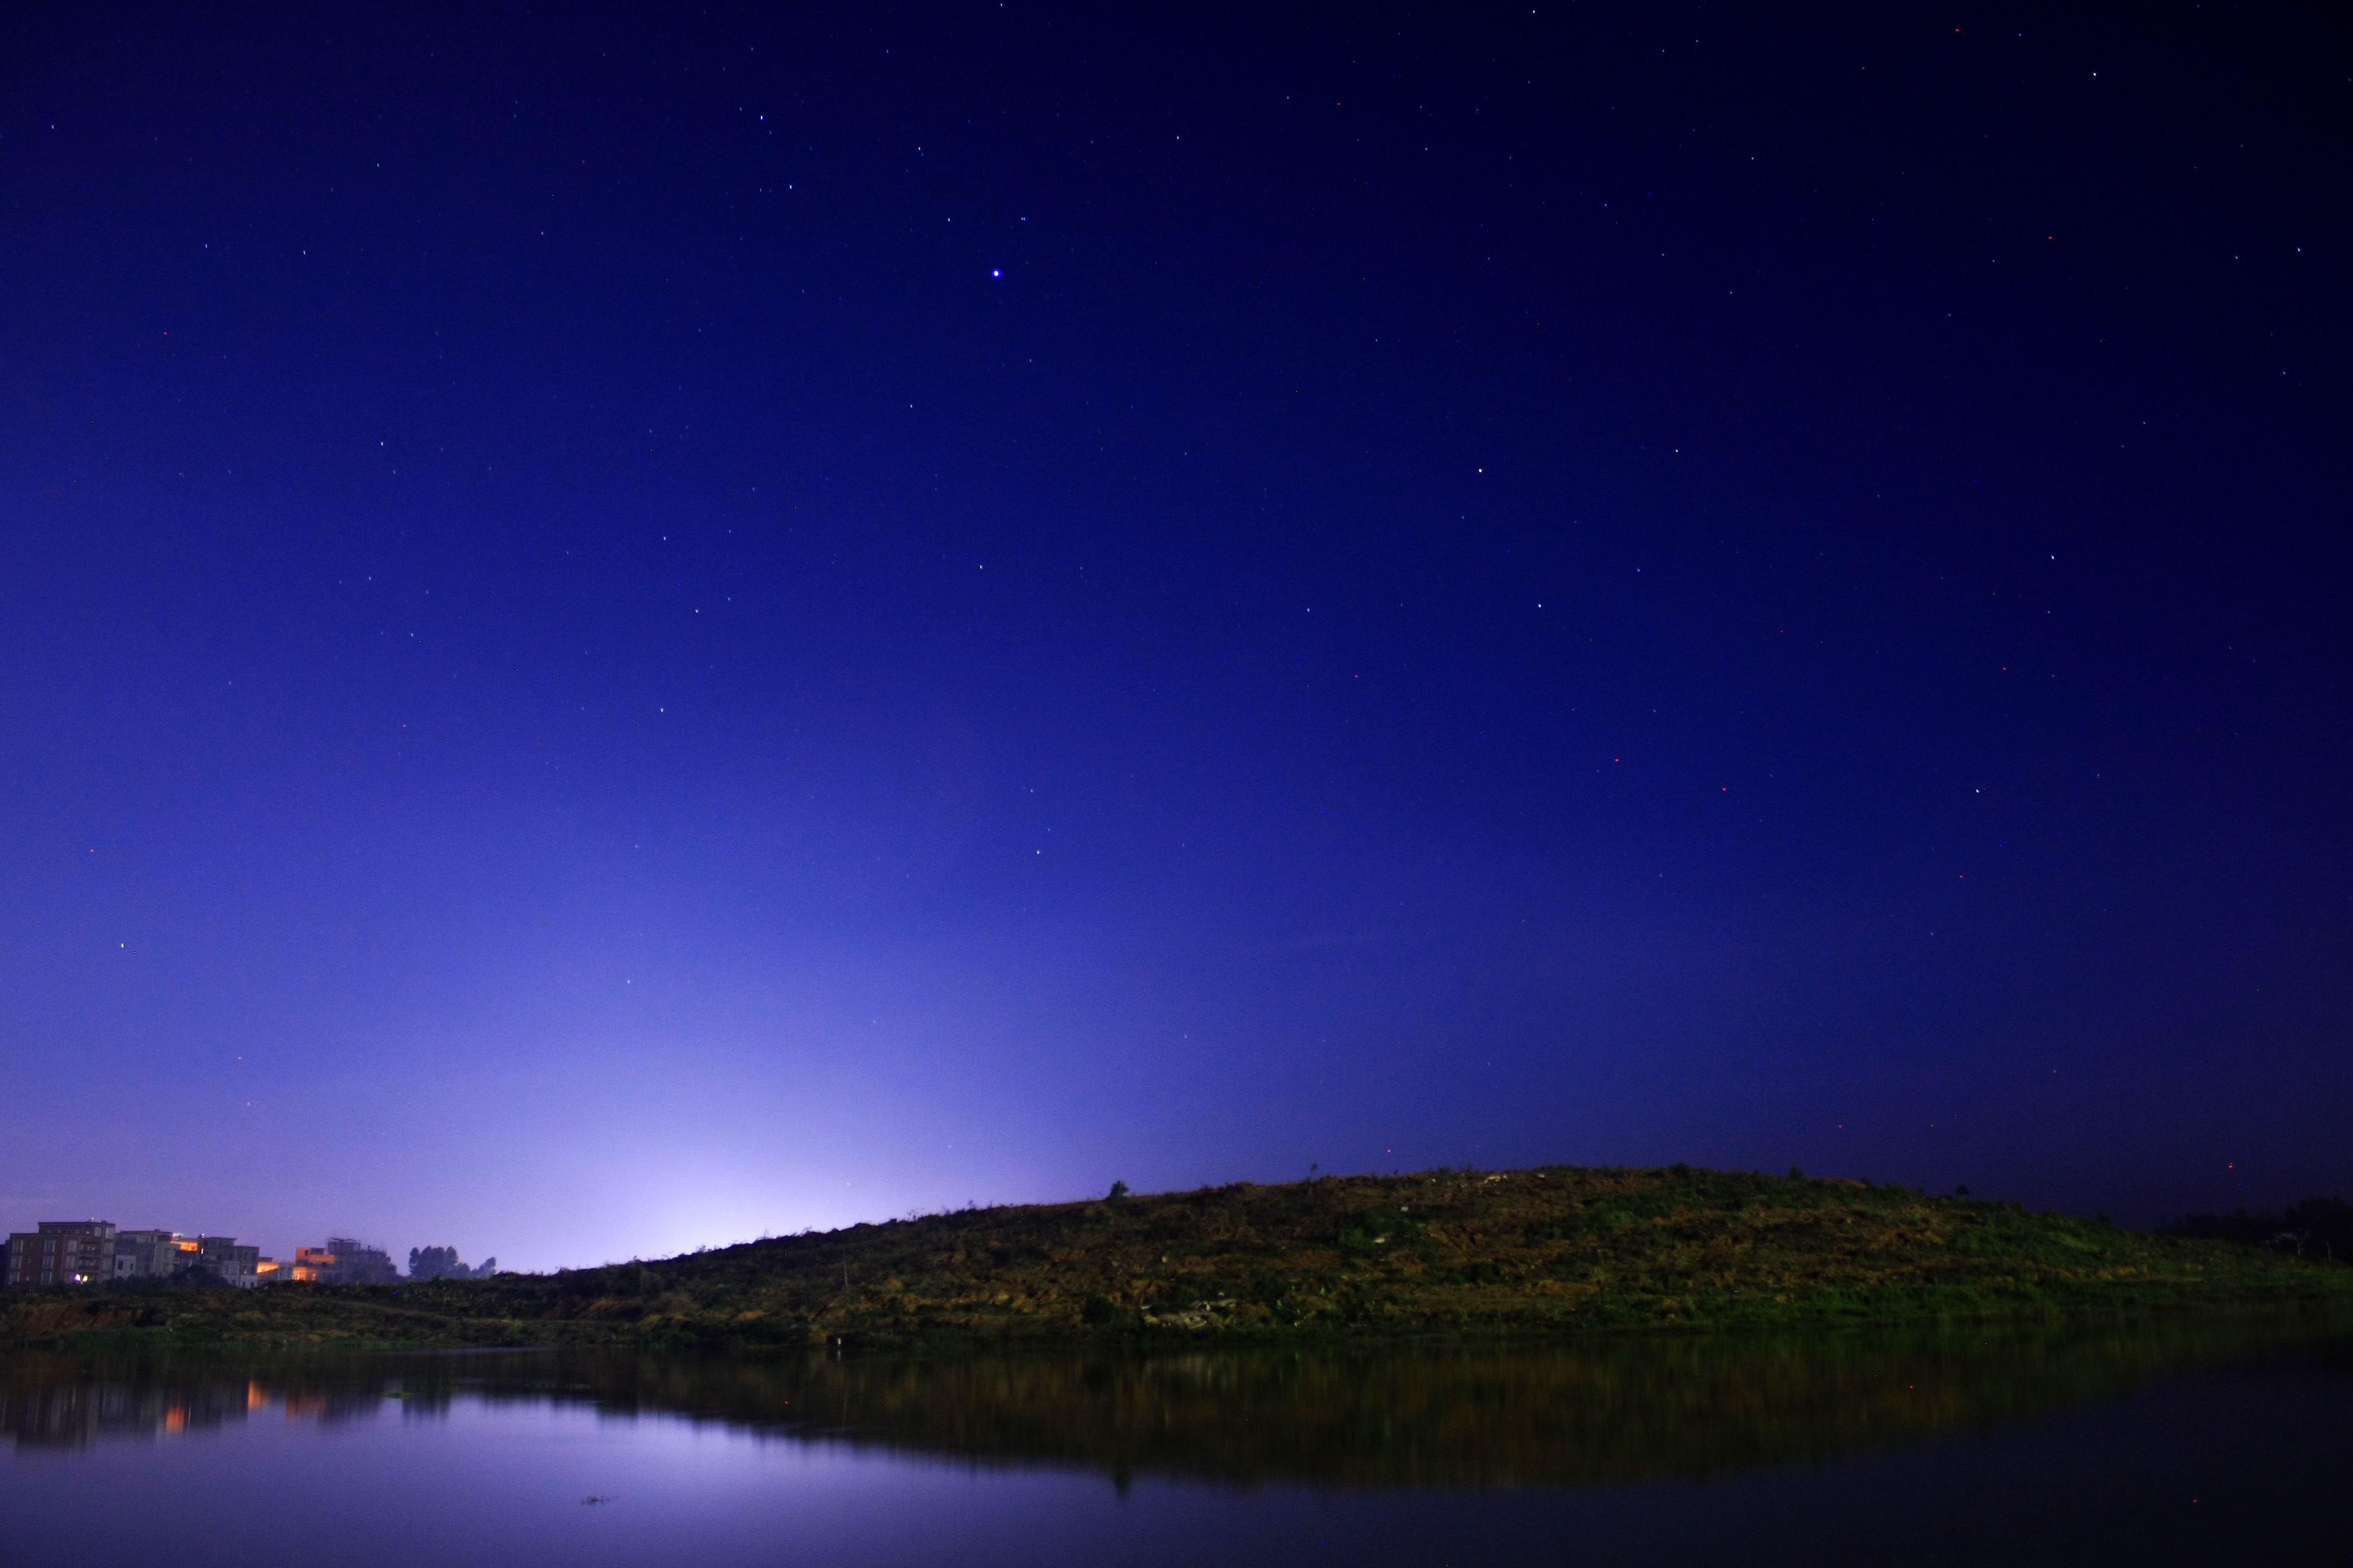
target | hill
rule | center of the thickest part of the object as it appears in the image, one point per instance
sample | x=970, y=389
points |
x=1549, y=1251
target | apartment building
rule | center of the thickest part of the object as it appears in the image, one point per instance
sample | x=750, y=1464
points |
x=96, y=1252
x=237, y=1266
x=344, y=1261
x=93, y=1252
x=62, y=1252
x=147, y=1254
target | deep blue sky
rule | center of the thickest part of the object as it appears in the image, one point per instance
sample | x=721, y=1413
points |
x=624, y=630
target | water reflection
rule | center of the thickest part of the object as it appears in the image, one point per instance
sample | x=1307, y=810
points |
x=69, y=1402
x=1587, y=1411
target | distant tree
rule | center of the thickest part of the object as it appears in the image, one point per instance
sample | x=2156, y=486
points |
x=2317, y=1228
x=1119, y=1189
x=2325, y=1224
x=2246, y=1229
x=436, y=1263
x=443, y=1263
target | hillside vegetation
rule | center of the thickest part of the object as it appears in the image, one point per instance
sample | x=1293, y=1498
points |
x=1550, y=1251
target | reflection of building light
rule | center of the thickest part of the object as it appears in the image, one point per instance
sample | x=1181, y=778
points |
x=175, y=1419
x=254, y=1398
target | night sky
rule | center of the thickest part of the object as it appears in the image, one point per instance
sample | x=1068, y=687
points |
x=625, y=629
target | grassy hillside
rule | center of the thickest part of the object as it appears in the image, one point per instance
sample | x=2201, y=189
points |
x=1538, y=1252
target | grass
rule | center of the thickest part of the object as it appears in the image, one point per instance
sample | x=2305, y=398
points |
x=1546, y=1252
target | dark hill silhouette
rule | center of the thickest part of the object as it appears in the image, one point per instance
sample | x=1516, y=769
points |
x=1544, y=1252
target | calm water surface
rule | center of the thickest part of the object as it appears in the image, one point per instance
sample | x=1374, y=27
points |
x=2227, y=1442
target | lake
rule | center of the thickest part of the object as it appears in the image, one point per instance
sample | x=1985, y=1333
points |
x=2217, y=1440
